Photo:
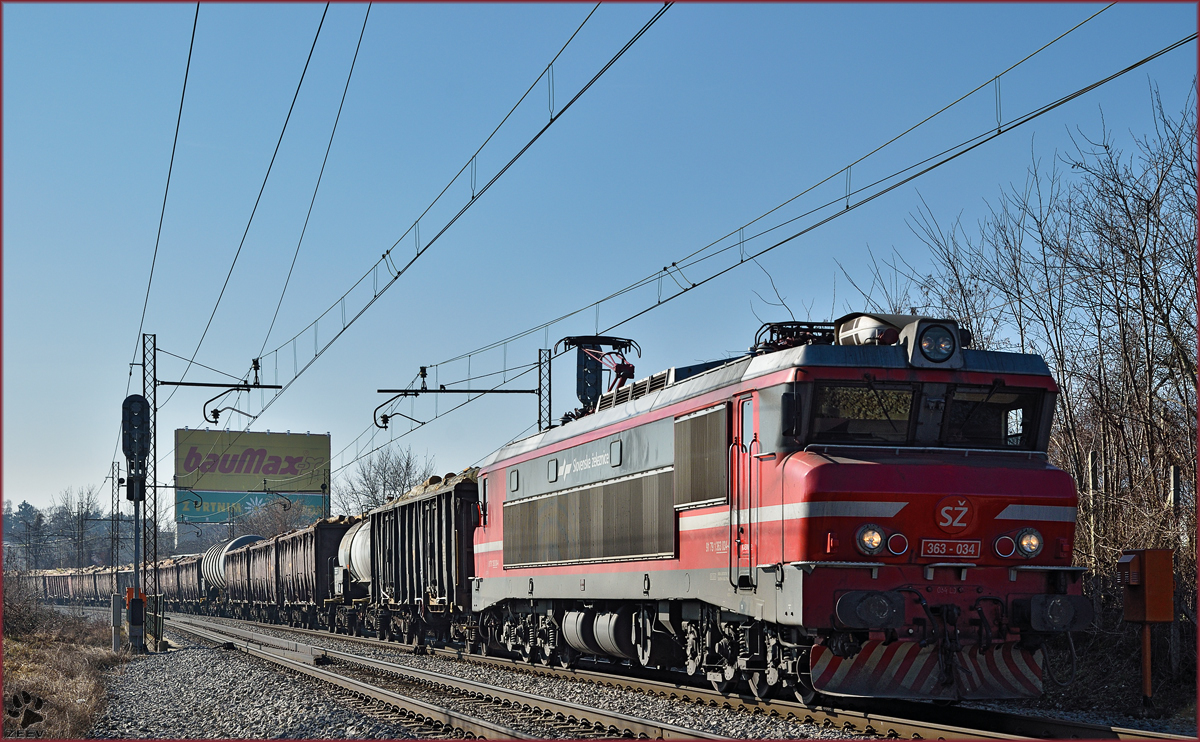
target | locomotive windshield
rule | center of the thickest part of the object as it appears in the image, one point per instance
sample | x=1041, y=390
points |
x=992, y=417
x=919, y=414
x=862, y=413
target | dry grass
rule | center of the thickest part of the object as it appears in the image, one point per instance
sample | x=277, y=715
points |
x=1109, y=680
x=59, y=660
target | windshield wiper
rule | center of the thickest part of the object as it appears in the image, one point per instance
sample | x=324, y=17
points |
x=963, y=425
x=879, y=399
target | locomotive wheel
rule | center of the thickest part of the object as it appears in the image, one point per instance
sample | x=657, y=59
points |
x=759, y=685
x=544, y=652
x=547, y=656
x=804, y=691
x=723, y=686
x=694, y=651
x=566, y=657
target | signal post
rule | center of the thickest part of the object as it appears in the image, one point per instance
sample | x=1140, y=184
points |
x=135, y=442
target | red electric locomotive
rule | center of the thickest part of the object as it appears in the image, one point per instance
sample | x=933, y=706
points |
x=858, y=508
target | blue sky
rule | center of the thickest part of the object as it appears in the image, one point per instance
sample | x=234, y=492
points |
x=716, y=115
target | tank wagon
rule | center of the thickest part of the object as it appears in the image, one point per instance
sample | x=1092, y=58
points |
x=212, y=568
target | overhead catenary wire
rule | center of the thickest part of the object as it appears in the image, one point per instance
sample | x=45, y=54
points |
x=932, y=163
x=167, y=188
x=162, y=214
x=201, y=365
x=320, y=175
x=384, y=260
x=257, y=199
x=948, y=155
x=674, y=266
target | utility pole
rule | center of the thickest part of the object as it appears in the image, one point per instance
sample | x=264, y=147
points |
x=114, y=528
x=545, y=419
x=149, y=391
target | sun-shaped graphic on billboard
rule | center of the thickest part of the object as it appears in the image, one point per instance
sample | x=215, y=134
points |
x=253, y=505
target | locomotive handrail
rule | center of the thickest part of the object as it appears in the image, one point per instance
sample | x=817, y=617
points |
x=753, y=535
x=735, y=514
x=814, y=447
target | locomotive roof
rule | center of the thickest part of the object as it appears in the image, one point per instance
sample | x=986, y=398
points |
x=746, y=367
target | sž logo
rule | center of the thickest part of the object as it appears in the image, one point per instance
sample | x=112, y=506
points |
x=954, y=514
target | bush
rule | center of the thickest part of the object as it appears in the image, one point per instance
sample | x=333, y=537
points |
x=53, y=668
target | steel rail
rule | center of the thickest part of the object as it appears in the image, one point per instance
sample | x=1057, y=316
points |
x=611, y=719
x=849, y=715
x=438, y=717
x=850, y=721
x=887, y=717
x=575, y=716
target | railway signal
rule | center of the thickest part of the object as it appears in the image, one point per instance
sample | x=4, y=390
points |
x=135, y=442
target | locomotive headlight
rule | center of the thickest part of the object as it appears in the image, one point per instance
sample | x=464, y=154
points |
x=1029, y=542
x=870, y=539
x=937, y=344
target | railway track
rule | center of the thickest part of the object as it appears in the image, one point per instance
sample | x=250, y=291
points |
x=527, y=716
x=883, y=717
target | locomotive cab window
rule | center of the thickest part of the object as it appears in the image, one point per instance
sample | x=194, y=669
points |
x=992, y=417
x=872, y=412
x=747, y=415
x=791, y=412
x=514, y=480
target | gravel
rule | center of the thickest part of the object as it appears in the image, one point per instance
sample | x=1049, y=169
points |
x=720, y=721
x=198, y=692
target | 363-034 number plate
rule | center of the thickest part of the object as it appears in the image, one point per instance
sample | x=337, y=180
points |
x=940, y=547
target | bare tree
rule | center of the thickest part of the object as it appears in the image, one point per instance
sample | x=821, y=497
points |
x=276, y=517
x=387, y=473
x=1093, y=266
x=29, y=534
x=74, y=511
x=895, y=286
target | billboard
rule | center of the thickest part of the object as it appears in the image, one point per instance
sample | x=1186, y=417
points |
x=219, y=474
